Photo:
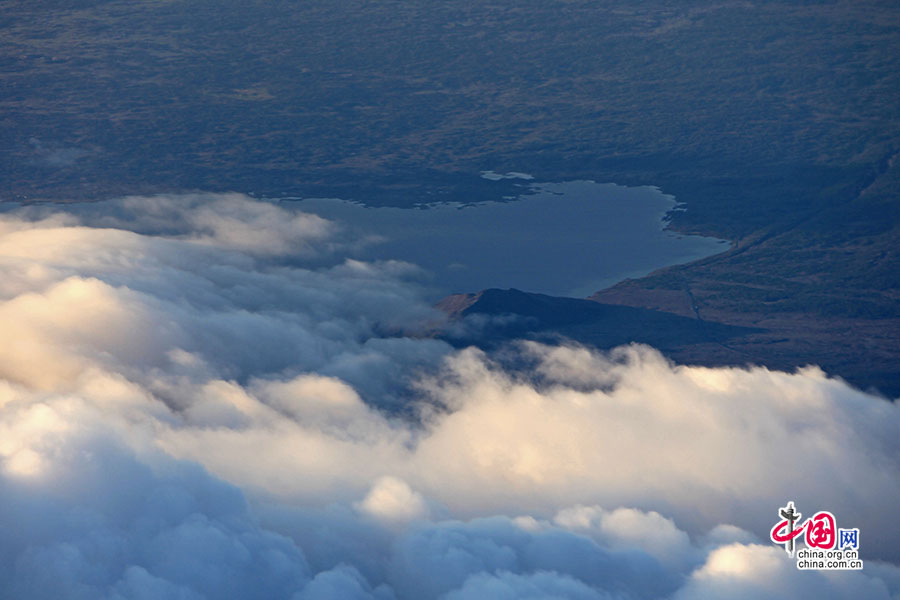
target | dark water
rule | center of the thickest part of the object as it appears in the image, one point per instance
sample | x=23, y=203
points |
x=568, y=239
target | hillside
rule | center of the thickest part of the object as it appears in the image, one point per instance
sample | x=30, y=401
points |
x=776, y=123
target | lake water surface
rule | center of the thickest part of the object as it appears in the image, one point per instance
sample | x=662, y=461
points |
x=568, y=239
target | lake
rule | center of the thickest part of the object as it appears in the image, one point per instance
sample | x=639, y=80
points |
x=566, y=239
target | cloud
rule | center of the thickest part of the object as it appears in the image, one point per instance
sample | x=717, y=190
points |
x=201, y=397
x=96, y=521
x=510, y=586
x=742, y=571
x=129, y=301
x=391, y=500
x=705, y=446
x=224, y=221
x=342, y=583
x=628, y=528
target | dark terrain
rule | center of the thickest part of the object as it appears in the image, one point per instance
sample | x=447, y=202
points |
x=776, y=122
x=511, y=314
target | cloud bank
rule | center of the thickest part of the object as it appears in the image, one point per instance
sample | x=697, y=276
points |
x=200, y=398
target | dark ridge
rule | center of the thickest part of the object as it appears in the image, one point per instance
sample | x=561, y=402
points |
x=505, y=314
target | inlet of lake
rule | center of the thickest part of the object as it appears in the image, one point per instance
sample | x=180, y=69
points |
x=564, y=239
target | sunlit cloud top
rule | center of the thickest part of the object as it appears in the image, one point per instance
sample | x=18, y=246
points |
x=202, y=397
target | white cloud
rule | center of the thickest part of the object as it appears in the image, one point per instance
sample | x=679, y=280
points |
x=752, y=571
x=190, y=408
x=625, y=528
x=391, y=500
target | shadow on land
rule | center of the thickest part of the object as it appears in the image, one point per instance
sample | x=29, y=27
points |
x=492, y=316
